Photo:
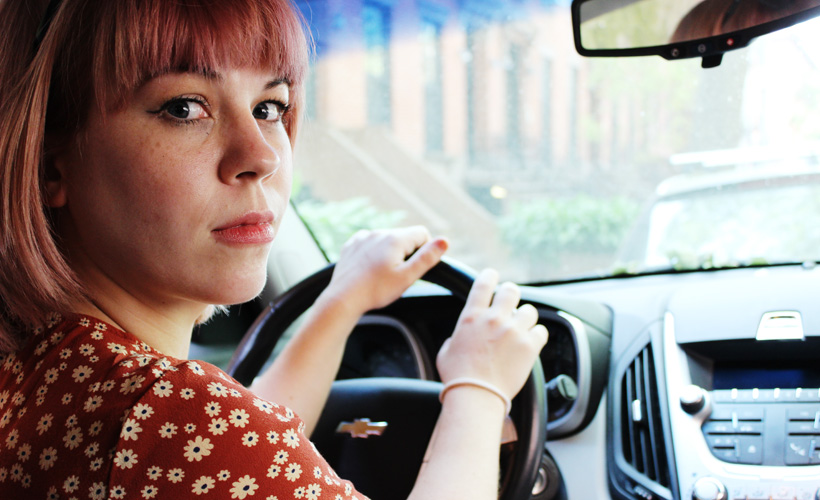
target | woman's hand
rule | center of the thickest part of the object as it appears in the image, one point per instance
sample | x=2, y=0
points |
x=494, y=340
x=376, y=267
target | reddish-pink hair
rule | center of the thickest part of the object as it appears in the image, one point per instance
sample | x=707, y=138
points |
x=95, y=54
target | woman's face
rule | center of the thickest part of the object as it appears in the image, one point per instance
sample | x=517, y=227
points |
x=178, y=195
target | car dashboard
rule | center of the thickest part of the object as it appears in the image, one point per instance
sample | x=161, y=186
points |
x=691, y=385
x=714, y=386
x=711, y=378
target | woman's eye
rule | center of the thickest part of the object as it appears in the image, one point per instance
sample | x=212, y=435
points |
x=269, y=110
x=185, y=109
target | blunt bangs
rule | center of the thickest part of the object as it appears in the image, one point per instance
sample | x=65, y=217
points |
x=135, y=40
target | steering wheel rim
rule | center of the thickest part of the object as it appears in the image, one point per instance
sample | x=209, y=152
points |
x=529, y=406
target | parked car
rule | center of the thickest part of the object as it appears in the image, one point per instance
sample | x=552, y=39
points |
x=758, y=214
x=480, y=120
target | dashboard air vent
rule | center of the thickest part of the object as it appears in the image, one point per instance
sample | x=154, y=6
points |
x=642, y=435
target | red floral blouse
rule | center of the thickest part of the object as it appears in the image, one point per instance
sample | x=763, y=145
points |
x=89, y=411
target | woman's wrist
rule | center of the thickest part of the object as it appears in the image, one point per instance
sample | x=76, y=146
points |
x=458, y=387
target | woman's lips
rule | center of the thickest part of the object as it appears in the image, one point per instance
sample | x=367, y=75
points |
x=251, y=228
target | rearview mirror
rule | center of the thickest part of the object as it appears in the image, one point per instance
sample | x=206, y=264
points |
x=678, y=29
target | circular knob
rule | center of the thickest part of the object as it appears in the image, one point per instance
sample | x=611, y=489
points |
x=562, y=387
x=708, y=488
x=692, y=399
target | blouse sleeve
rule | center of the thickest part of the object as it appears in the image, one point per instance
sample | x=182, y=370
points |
x=196, y=432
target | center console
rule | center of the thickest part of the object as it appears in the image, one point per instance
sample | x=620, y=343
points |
x=744, y=416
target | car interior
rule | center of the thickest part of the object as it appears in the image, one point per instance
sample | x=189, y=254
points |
x=648, y=171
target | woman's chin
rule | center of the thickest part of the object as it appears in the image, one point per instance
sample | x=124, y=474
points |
x=238, y=291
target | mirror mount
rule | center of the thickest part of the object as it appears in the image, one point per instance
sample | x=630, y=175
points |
x=711, y=61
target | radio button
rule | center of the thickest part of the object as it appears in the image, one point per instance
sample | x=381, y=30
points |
x=749, y=428
x=750, y=414
x=798, y=450
x=751, y=450
x=721, y=441
x=805, y=414
x=802, y=428
x=719, y=428
x=726, y=454
x=809, y=395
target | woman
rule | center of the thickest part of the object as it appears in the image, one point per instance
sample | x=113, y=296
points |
x=145, y=160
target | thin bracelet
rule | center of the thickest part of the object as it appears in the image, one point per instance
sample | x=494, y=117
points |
x=477, y=383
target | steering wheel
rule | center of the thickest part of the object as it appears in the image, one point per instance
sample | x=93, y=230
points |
x=385, y=466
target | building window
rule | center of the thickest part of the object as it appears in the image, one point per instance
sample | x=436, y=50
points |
x=376, y=25
x=433, y=86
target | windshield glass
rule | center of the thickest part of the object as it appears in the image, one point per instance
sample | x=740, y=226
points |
x=480, y=121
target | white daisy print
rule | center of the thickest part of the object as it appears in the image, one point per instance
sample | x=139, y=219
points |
x=132, y=384
x=281, y=457
x=293, y=471
x=125, y=459
x=274, y=470
x=117, y=492
x=163, y=388
x=130, y=430
x=92, y=449
x=168, y=430
x=47, y=458
x=154, y=473
x=142, y=411
x=290, y=438
x=95, y=428
x=175, y=475
x=71, y=484
x=218, y=426
x=73, y=438
x=244, y=487
x=81, y=373
x=97, y=491
x=198, y=448
x=272, y=437
x=263, y=405
x=218, y=390
x=92, y=404
x=212, y=409
x=313, y=491
x=149, y=491
x=239, y=418
x=44, y=424
x=116, y=348
x=203, y=485
x=224, y=475
x=250, y=439
x=194, y=367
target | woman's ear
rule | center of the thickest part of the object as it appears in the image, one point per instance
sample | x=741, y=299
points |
x=54, y=178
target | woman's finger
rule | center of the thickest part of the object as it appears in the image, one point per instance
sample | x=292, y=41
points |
x=411, y=238
x=506, y=298
x=525, y=317
x=481, y=292
x=425, y=257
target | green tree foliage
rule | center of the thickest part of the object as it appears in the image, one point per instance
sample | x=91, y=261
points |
x=333, y=222
x=549, y=232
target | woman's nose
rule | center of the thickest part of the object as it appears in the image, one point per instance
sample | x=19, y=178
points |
x=249, y=155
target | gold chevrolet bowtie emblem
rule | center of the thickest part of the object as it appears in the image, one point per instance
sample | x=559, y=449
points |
x=362, y=428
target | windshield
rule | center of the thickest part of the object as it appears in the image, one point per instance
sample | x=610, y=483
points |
x=480, y=121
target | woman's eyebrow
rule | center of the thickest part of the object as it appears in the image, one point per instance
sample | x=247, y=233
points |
x=275, y=83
